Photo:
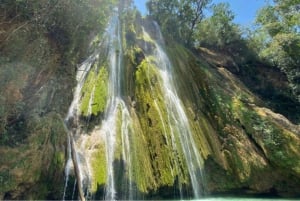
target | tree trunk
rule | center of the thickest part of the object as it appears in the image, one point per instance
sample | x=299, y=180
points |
x=76, y=168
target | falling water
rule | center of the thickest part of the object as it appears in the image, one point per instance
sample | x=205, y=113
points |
x=125, y=132
x=67, y=168
x=115, y=109
x=74, y=189
x=109, y=124
x=72, y=121
x=177, y=118
x=115, y=106
x=181, y=125
x=116, y=125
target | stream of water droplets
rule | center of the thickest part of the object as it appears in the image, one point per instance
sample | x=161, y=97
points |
x=115, y=107
x=177, y=119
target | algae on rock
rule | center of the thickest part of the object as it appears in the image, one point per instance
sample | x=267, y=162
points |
x=94, y=92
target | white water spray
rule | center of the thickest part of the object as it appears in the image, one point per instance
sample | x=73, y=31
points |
x=72, y=124
x=177, y=118
x=116, y=108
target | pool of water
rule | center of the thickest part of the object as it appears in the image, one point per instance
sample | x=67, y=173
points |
x=244, y=199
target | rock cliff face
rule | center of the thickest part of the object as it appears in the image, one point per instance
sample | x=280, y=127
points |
x=237, y=144
x=34, y=99
x=240, y=140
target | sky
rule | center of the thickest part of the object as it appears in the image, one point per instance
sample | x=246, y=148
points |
x=244, y=10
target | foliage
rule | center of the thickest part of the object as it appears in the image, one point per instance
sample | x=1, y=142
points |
x=219, y=31
x=66, y=22
x=278, y=28
x=13, y=79
x=178, y=18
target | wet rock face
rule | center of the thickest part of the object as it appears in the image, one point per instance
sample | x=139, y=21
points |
x=246, y=141
x=34, y=98
x=234, y=134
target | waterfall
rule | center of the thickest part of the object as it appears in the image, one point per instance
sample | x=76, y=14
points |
x=115, y=132
x=181, y=126
x=72, y=127
x=177, y=119
x=80, y=144
x=115, y=105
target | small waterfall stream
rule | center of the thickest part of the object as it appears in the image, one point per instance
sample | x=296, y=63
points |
x=72, y=125
x=115, y=107
x=177, y=115
x=177, y=119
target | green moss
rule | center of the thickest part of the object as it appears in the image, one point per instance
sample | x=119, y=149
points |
x=166, y=163
x=87, y=91
x=95, y=42
x=141, y=162
x=133, y=54
x=94, y=92
x=100, y=95
x=99, y=170
x=118, y=143
x=146, y=38
x=59, y=159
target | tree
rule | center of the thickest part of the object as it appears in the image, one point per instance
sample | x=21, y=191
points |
x=178, y=18
x=190, y=15
x=281, y=45
x=219, y=31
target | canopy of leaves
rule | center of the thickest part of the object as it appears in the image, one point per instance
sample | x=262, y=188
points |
x=178, y=18
x=220, y=32
x=279, y=28
x=65, y=21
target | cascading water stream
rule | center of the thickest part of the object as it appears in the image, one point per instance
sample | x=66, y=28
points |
x=109, y=124
x=181, y=125
x=72, y=124
x=115, y=107
x=116, y=111
x=67, y=168
x=177, y=118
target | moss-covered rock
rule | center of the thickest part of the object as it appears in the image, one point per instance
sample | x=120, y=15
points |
x=242, y=138
x=99, y=170
x=37, y=163
x=94, y=91
x=35, y=96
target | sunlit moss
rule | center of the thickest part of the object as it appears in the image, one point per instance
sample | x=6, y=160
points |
x=94, y=92
x=99, y=170
x=100, y=94
x=145, y=37
x=167, y=162
x=118, y=142
x=141, y=162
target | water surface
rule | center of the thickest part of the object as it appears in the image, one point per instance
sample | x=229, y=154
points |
x=243, y=199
